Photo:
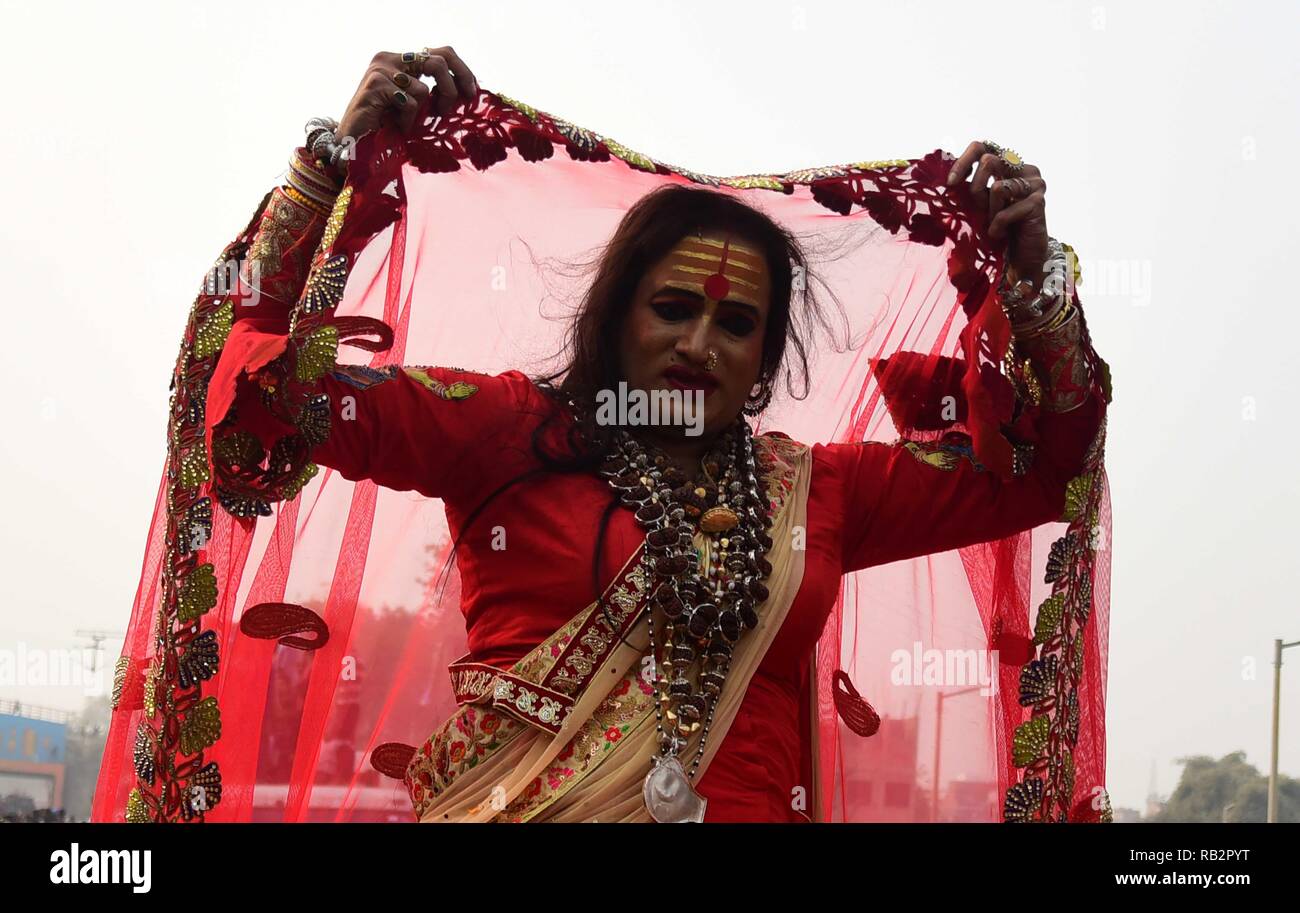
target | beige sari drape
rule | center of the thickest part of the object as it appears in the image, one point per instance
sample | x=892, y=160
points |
x=610, y=790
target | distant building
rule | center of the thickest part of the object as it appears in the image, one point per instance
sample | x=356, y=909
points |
x=33, y=754
x=881, y=784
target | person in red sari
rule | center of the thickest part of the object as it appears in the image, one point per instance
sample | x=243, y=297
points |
x=485, y=444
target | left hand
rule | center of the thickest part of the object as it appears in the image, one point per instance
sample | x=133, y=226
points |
x=1014, y=204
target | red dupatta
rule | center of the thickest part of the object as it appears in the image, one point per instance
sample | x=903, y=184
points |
x=233, y=699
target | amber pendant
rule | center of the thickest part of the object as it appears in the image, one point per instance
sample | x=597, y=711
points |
x=669, y=796
x=718, y=520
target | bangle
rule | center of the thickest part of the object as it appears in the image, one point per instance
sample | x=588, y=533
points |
x=1058, y=314
x=310, y=180
x=302, y=200
x=322, y=143
x=317, y=126
x=1012, y=290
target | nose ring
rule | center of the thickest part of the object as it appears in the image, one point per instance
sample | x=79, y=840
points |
x=713, y=360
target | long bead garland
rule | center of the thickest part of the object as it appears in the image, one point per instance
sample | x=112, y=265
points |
x=704, y=615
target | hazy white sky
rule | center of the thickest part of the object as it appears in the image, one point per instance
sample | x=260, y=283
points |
x=139, y=138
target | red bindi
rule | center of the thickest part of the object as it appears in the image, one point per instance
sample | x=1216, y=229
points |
x=717, y=285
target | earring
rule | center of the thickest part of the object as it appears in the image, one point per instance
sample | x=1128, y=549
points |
x=755, y=406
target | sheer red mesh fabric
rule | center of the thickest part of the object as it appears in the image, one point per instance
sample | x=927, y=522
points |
x=459, y=239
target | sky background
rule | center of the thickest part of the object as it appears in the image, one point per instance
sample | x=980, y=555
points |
x=139, y=138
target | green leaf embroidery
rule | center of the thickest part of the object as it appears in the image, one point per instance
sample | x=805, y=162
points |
x=212, y=333
x=1029, y=741
x=198, y=594
x=1049, y=617
x=1076, y=495
x=317, y=353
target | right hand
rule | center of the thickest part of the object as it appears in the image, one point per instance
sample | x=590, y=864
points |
x=373, y=102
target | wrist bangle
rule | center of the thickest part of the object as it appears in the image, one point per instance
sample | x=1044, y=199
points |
x=302, y=200
x=323, y=144
x=1012, y=290
x=310, y=180
x=1049, y=322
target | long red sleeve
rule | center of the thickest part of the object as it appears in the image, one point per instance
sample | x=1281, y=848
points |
x=901, y=501
x=442, y=432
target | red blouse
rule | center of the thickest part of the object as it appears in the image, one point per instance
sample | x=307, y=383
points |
x=869, y=504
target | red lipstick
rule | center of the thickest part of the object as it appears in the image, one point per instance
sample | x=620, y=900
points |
x=683, y=378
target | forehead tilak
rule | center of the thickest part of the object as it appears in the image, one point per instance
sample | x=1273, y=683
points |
x=721, y=265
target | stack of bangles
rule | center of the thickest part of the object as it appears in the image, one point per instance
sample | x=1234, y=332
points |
x=1059, y=314
x=1048, y=334
x=309, y=184
x=323, y=144
x=1050, y=309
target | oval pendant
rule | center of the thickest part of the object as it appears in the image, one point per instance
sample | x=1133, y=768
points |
x=718, y=520
x=669, y=796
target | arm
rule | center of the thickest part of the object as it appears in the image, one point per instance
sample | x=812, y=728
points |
x=907, y=499
x=433, y=430
x=444, y=432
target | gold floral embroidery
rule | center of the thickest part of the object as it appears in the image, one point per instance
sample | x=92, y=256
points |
x=939, y=459
x=779, y=456
x=467, y=739
x=623, y=711
x=121, y=669
x=137, y=812
x=453, y=391
x=277, y=233
x=944, y=454
x=335, y=220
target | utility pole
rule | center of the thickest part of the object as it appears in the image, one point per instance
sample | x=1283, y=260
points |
x=97, y=639
x=938, y=738
x=1278, y=647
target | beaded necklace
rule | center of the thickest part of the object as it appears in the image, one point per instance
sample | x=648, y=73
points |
x=703, y=614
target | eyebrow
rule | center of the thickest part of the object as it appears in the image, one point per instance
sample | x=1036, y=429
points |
x=696, y=296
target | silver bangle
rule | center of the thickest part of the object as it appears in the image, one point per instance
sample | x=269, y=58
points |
x=1050, y=294
x=323, y=144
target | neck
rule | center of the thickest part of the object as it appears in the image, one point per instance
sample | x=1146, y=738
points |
x=686, y=453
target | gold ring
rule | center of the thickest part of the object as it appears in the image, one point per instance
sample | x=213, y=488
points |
x=1013, y=162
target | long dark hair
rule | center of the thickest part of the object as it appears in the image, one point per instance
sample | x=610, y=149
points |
x=649, y=230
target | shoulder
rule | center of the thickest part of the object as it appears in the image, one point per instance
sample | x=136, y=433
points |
x=507, y=389
x=510, y=390
x=780, y=457
x=779, y=445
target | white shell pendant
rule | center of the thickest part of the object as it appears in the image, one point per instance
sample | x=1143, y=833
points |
x=669, y=796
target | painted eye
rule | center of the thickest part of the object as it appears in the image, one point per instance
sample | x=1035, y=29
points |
x=671, y=310
x=738, y=326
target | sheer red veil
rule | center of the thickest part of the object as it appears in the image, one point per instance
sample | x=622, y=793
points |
x=270, y=659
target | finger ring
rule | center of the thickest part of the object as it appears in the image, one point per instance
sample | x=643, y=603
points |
x=399, y=98
x=1013, y=162
x=401, y=79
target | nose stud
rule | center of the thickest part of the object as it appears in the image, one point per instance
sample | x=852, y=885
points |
x=713, y=360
